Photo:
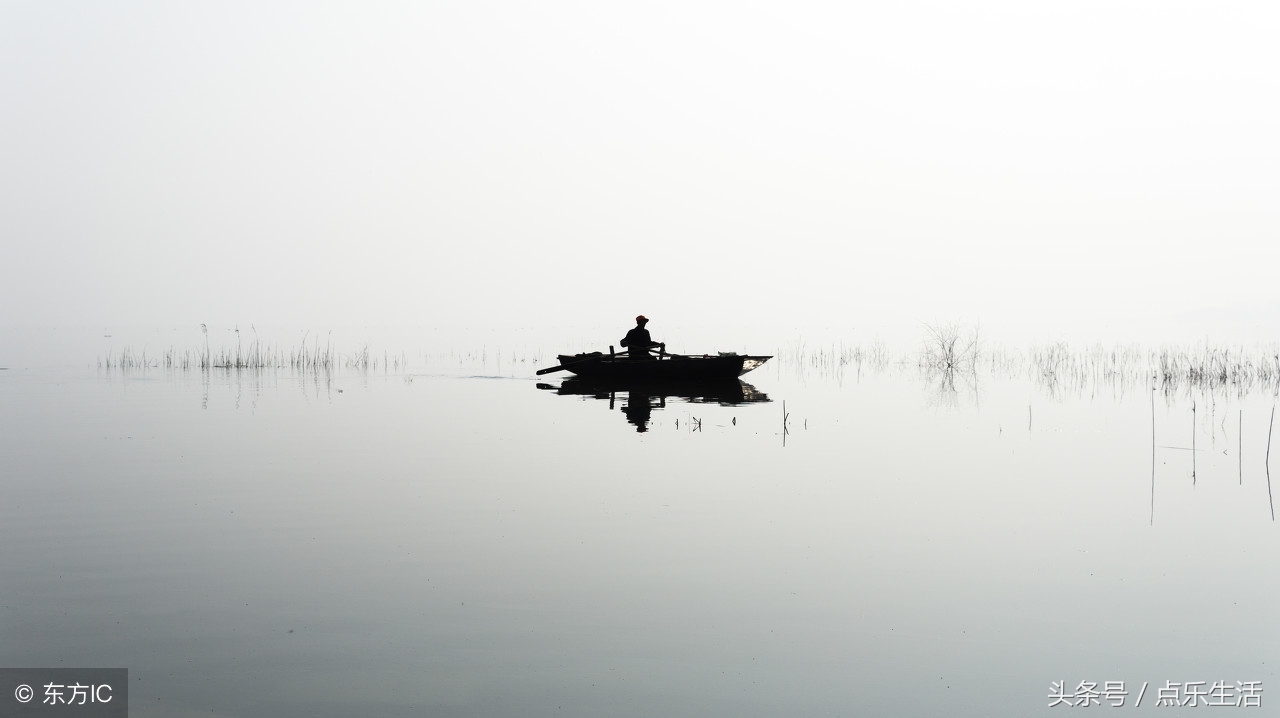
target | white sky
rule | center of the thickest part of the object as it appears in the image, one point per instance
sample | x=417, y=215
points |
x=1023, y=165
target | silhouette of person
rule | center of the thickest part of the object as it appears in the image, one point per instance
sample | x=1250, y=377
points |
x=638, y=409
x=637, y=341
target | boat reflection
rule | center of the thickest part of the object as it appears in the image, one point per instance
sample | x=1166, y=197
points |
x=638, y=399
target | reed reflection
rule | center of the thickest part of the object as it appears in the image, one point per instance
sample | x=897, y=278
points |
x=638, y=400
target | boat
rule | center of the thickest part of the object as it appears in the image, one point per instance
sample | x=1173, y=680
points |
x=598, y=365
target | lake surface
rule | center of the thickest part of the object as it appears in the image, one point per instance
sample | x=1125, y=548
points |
x=453, y=540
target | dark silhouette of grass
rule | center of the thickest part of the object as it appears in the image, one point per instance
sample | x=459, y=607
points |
x=256, y=355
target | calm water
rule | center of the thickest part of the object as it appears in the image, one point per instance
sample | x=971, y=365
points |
x=456, y=541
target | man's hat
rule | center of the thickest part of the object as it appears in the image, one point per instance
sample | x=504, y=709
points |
x=641, y=318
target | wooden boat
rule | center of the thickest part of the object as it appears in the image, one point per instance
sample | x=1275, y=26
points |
x=597, y=365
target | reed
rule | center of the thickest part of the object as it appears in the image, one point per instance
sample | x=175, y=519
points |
x=1175, y=369
x=1056, y=367
x=305, y=358
x=1270, y=500
x=833, y=361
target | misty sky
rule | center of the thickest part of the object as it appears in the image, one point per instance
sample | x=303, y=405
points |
x=1013, y=164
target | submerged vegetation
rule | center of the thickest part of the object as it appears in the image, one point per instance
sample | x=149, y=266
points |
x=256, y=355
x=949, y=355
x=300, y=359
x=949, y=348
x=1168, y=368
x=834, y=358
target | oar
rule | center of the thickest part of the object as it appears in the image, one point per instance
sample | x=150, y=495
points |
x=661, y=349
x=551, y=369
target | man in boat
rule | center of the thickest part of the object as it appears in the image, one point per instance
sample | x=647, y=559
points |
x=637, y=341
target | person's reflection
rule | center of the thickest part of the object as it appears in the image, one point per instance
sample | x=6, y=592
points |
x=639, y=407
